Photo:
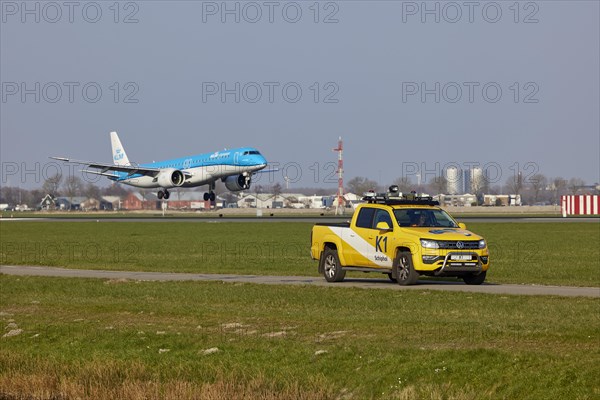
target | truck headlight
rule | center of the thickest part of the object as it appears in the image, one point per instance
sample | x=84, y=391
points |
x=430, y=244
x=482, y=244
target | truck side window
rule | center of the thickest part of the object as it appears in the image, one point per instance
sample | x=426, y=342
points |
x=365, y=218
x=402, y=217
x=382, y=216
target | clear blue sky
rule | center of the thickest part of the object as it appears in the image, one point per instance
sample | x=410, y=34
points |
x=510, y=88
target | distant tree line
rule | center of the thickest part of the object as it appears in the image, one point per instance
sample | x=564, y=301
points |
x=56, y=186
x=535, y=189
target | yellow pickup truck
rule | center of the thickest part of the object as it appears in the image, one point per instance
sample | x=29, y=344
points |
x=403, y=238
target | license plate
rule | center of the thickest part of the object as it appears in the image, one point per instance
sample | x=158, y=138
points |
x=460, y=257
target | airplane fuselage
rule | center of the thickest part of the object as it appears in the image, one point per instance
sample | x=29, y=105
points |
x=200, y=169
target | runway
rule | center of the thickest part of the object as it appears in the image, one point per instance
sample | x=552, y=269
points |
x=450, y=286
x=268, y=219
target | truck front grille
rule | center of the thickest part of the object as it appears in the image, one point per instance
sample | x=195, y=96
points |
x=459, y=244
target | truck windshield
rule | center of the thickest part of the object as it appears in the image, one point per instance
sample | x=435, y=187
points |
x=424, y=218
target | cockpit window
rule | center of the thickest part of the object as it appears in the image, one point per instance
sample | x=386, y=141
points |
x=250, y=152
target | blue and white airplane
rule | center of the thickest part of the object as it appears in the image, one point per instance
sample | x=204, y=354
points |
x=234, y=167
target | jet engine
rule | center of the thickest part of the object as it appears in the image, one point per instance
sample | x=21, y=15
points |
x=170, y=177
x=236, y=183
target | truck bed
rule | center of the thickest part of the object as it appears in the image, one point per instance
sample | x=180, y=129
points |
x=336, y=224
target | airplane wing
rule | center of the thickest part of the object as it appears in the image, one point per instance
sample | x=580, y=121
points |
x=104, y=167
x=107, y=174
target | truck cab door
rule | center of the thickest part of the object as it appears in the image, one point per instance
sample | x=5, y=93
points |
x=382, y=241
x=359, y=239
x=370, y=243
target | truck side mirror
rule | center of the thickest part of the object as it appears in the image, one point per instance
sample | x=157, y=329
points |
x=383, y=226
x=462, y=225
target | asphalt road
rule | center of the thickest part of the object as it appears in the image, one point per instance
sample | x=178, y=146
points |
x=451, y=286
x=466, y=220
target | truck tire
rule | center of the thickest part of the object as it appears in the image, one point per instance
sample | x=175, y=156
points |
x=472, y=279
x=405, y=272
x=332, y=270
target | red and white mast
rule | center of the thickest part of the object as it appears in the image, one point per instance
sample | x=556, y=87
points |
x=340, y=171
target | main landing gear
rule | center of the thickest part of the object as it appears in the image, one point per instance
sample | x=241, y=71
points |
x=211, y=192
x=210, y=196
x=163, y=194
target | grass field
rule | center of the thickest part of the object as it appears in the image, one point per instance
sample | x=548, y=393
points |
x=66, y=338
x=98, y=339
x=528, y=253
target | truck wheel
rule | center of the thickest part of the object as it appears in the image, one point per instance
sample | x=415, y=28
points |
x=405, y=272
x=332, y=270
x=472, y=279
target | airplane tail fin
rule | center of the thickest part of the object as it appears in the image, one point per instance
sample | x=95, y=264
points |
x=118, y=152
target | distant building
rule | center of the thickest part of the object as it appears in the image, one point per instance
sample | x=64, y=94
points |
x=283, y=200
x=502, y=200
x=351, y=200
x=459, y=181
x=312, y=201
x=453, y=180
x=294, y=200
x=90, y=204
x=466, y=182
x=476, y=181
x=190, y=200
x=179, y=200
x=76, y=203
x=256, y=200
x=110, y=203
x=70, y=203
x=139, y=201
x=457, y=200
x=48, y=202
